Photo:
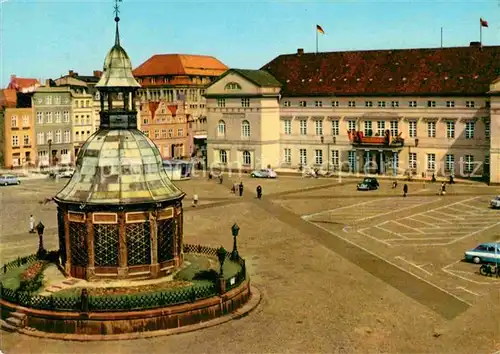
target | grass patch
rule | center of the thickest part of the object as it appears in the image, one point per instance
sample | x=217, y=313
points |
x=12, y=278
x=204, y=268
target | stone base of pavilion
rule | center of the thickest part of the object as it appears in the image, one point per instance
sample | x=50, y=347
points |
x=141, y=309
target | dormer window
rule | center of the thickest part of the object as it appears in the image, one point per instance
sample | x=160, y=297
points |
x=232, y=86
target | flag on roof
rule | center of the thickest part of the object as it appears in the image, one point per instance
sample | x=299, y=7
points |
x=320, y=29
x=483, y=23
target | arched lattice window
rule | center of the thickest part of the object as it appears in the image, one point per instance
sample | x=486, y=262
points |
x=245, y=128
x=222, y=156
x=232, y=86
x=221, y=128
x=247, y=158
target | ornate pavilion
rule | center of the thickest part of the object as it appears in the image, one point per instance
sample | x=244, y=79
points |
x=119, y=216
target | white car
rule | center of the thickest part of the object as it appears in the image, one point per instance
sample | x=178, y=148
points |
x=66, y=173
x=495, y=203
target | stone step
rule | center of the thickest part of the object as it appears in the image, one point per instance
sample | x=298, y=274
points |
x=71, y=281
x=59, y=287
x=7, y=327
x=14, y=321
x=19, y=315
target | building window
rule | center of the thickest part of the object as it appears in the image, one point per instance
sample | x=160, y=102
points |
x=368, y=103
x=319, y=127
x=394, y=104
x=39, y=117
x=318, y=103
x=245, y=129
x=368, y=128
x=351, y=125
x=303, y=157
x=288, y=127
x=380, y=128
x=351, y=104
x=412, y=104
x=450, y=104
x=58, y=136
x=157, y=133
x=66, y=117
x=286, y=103
x=57, y=100
x=470, y=104
x=232, y=86
x=58, y=117
x=449, y=162
x=67, y=136
x=221, y=102
x=49, y=136
x=412, y=160
x=394, y=128
x=13, y=121
x=302, y=104
x=245, y=102
x=15, y=140
x=351, y=158
x=431, y=162
x=469, y=130
x=145, y=121
x=26, y=140
x=469, y=164
x=335, y=103
x=287, y=156
x=48, y=117
x=450, y=130
x=170, y=133
x=431, y=129
x=40, y=138
x=431, y=104
x=26, y=121
x=48, y=100
x=180, y=132
x=87, y=120
x=146, y=133
x=303, y=127
x=247, y=158
x=335, y=158
x=164, y=133
x=381, y=103
x=486, y=129
x=335, y=128
x=318, y=157
x=221, y=128
x=223, y=156
x=412, y=129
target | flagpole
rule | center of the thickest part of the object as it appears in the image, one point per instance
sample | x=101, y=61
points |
x=441, y=37
x=317, y=39
x=480, y=34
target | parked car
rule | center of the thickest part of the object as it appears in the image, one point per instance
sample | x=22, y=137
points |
x=495, y=203
x=484, y=253
x=368, y=184
x=6, y=180
x=65, y=173
x=264, y=173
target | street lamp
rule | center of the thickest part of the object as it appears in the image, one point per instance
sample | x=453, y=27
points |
x=50, y=152
x=221, y=255
x=41, y=251
x=235, y=229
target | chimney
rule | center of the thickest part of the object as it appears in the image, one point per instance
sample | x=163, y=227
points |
x=300, y=51
x=97, y=73
x=475, y=44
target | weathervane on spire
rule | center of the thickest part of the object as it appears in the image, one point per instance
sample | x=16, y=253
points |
x=117, y=10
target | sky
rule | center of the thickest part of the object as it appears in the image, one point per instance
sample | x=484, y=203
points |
x=44, y=39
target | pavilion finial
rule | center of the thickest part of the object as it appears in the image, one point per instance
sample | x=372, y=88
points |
x=117, y=19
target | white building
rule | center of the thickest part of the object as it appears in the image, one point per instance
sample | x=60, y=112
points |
x=419, y=111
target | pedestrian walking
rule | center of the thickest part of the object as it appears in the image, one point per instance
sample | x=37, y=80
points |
x=220, y=178
x=32, y=224
x=443, y=188
x=405, y=190
x=259, y=192
x=195, y=200
x=240, y=188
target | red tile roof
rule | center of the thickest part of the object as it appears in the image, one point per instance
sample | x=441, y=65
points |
x=21, y=83
x=459, y=70
x=180, y=64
